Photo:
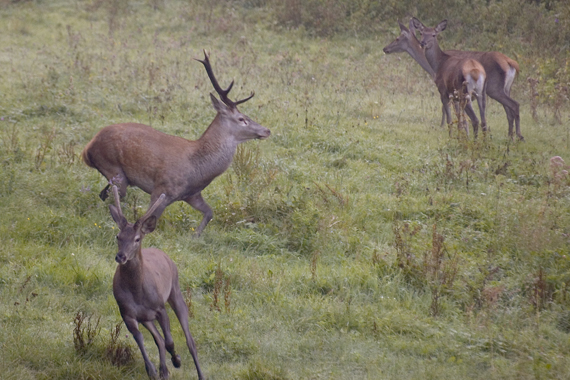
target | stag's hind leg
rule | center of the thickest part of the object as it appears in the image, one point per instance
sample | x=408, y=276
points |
x=117, y=177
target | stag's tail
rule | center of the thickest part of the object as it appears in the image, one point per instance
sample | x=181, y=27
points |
x=86, y=156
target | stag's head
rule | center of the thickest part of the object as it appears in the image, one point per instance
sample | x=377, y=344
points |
x=130, y=235
x=240, y=126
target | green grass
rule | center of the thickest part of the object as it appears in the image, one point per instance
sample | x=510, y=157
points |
x=322, y=251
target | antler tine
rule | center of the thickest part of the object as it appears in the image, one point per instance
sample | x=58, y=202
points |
x=244, y=100
x=154, y=206
x=117, y=199
x=223, y=93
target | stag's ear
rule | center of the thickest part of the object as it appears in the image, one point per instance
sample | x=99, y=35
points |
x=118, y=217
x=441, y=26
x=218, y=105
x=148, y=225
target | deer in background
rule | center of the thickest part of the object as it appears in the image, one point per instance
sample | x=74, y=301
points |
x=407, y=42
x=500, y=69
x=454, y=74
x=138, y=155
x=144, y=281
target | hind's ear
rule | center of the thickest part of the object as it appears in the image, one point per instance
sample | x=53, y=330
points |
x=417, y=24
x=441, y=26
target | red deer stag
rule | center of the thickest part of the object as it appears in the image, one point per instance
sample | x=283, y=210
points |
x=452, y=72
x=500, y=69
x=144, y=281
x=138, y=155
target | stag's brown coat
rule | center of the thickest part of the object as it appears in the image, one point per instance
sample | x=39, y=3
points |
x=137, y=155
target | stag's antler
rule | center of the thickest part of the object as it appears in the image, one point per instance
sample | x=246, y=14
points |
x=144, y=217
x=152, y=208
x=223, y=93
x=117, y=199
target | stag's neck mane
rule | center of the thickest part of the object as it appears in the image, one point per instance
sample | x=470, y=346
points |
x=132, y=275
x=215, y=149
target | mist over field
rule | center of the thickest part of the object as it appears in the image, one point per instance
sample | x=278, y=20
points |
x=359, y=241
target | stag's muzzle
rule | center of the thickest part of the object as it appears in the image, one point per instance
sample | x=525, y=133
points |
x=264, y=133
x=121, y=258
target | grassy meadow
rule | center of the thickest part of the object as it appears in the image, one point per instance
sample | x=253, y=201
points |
x=359, y=241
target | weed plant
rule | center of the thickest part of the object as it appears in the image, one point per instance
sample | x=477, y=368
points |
x=359, y=241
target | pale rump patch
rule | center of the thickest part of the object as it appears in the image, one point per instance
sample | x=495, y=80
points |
x=510, y=75
x=480, y=84
x=474, y=73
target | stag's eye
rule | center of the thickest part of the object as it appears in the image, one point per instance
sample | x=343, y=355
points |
x=241, y=120
x=137, y=239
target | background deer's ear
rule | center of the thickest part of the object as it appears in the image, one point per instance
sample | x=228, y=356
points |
x=441, y=26
x=149, y=225
x=218, y=105
x=412, y=27
x=417, y=24
x=118, y=217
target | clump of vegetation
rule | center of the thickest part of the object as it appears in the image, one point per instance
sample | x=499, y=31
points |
x=118, y=352
x=85, y=332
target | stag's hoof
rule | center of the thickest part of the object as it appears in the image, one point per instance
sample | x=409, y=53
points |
x=164, y=372
x=151, y=370
x=176, y=361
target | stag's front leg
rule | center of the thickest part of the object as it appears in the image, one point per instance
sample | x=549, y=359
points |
x=178, y=304
x=197, y=202
x=164, y=323
x=133, y=327
x=161, y=349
